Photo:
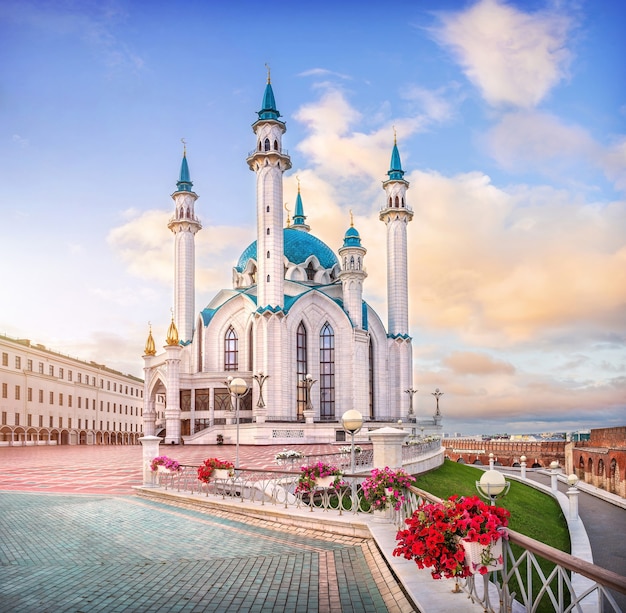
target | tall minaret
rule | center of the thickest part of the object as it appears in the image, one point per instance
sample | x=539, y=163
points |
x=352, y=274
x=184, y=224
x=269, y=162
x=396, y=215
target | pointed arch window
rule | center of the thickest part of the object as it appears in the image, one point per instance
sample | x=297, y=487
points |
x=250, y=349
x=231, y=350
x=397, y=202
x=327, y=372
x=310, y=272
x=266, y=144
x=301, y=370
x=275, y=145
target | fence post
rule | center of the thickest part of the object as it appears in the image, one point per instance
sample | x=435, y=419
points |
x=387, y=444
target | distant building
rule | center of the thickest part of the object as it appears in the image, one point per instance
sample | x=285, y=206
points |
x=294, y=326
x=48, y=398
x=601, y=460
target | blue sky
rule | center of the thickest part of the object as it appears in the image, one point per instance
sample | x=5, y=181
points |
x=510, y=118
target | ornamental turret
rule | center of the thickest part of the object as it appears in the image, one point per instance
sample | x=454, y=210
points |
x=353, y=274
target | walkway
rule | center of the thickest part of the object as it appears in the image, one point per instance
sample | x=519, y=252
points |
x=75, y=551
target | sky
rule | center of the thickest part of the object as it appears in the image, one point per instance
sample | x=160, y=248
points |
x=510, y=120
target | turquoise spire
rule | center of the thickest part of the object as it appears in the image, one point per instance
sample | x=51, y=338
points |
x=352, y=237
x=298, y=214
x=395, y=168
x=268, y=106
x=184, y=183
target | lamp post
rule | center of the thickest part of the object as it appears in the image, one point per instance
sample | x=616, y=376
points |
x=491, y=485
x=491, y=461
x=436, y=394
x=260, y=379
x=411, y=392
x=239, y=388
x=352, y=422
x=572, y=494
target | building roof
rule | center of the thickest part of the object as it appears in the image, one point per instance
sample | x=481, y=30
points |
x=298, y=246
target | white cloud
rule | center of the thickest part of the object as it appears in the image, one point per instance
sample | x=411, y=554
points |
x=513, y=57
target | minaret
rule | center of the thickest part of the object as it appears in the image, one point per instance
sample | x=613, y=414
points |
x=184, y=224
x=396, y=215
x=172, y=382
x=269, y=161
x=352, y=274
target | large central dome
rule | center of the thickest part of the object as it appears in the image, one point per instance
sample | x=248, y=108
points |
x=298, y=246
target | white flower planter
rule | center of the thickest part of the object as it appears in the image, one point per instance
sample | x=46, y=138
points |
x=325, y=482
x=221, y=473
x=477, y=555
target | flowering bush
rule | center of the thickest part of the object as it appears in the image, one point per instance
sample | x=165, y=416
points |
x=205, y=470
x=288, y=454
x=434, y=534
x=310, y=474
x=386, y=487
x=166, y=462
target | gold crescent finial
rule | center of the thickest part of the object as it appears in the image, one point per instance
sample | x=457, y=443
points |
x=298, y=180
x=351, y=219
x=395, y=140
x=184, y=142
x=288, y=220
x=269, y=80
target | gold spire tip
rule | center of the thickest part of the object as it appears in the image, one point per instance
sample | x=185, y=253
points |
x=395, y=136
x=298, y=180
x=351, y=219
x=184, y=142
x=269, y=79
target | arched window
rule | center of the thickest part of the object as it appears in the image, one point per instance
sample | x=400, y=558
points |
x=266, y=144
x=268, y=232
x=267, y=208
x=310, y=272
x=397, y=202
x=301, y=370
x=371, y=378
x=327, y=372
x=268, y=255
x=275, y=145
x=231, y=350
x=250, y=349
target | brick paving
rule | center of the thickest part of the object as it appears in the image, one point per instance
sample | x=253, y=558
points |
x=66, y=548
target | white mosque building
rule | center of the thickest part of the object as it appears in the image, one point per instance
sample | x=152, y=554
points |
x=294, y=326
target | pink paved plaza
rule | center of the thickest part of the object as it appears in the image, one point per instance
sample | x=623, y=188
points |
x=115, y=469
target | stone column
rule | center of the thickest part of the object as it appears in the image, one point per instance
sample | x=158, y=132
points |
x=150, y=451
x=387, y=443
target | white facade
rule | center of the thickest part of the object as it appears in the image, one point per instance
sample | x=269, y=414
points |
x=295, y=309
x=48, y=398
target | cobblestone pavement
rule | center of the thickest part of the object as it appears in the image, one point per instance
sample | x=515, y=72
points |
x=78, y=553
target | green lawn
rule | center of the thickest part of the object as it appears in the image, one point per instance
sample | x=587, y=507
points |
x=533, y=513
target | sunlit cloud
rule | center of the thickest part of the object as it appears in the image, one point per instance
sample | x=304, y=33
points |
x=513, y=57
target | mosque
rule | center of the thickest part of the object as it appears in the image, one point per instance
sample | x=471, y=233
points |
x=293, y=333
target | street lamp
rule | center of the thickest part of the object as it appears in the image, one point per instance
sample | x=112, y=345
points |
x=411, y=392
x=352, y=422
x=436, y=394
x=491, y=485
x=239, y=388
x=260, y=379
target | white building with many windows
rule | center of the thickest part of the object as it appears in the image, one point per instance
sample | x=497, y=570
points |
x=48, y=398
x=294, y=326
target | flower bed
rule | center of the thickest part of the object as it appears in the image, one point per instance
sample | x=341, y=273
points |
x=166, y=464
x=386, y=488
x=435, y=531
x=207, y=469
x=310, y=475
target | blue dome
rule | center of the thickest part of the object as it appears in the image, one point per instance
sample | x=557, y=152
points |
x=298, y=246
x=352, y=238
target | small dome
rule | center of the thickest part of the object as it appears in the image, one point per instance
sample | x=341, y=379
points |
x=298, y=246
x=352, y=238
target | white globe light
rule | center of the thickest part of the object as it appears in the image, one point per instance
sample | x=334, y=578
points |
x=492, y=483
x=352, y=420
x=238, y=386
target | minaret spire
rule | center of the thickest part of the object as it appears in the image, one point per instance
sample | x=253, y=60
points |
x=298, y=214
x=184, y=224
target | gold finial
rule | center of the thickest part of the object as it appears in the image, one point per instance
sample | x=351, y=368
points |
x=184, y=142
x=298, y=180
x=351, y=219
x=150, y=346
x=269, y=80
x=288, y=220
x=395, y=139
x=172, y=332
